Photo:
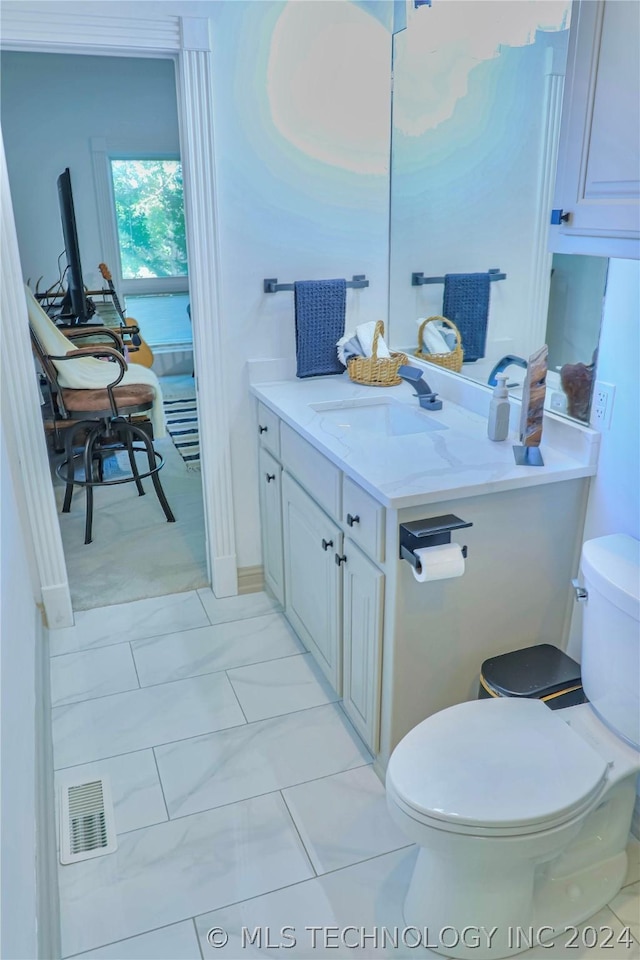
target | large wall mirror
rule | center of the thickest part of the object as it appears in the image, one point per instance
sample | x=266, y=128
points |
x=476, y=114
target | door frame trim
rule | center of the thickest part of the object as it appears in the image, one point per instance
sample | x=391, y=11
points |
x=40, y=28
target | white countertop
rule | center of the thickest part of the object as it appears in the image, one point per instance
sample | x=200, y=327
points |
x=409, y=470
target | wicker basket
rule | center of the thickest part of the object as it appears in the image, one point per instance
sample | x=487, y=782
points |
x=451, y=360
x=377, y=371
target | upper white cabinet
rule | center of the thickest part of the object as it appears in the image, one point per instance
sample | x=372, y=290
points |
x=598, y=179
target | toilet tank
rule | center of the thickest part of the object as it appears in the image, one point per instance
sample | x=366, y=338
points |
x=611, y=632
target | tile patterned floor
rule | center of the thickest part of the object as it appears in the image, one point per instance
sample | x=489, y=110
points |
x=243, y=797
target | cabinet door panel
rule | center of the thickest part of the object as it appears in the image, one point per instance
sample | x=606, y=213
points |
x=362, y=641
x=313, y=580
x=270, y=479
x=598, y=181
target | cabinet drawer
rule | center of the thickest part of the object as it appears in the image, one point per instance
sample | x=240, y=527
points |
x=317, y=475
x=365, y=518
x=269, y=429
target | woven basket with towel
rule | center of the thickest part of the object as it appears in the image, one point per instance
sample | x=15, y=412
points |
x=377, y=371
x=452, y=359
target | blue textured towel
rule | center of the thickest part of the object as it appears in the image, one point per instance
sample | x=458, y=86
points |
x=466, y=303
x=320, y=311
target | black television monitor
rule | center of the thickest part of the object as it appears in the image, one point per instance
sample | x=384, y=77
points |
x=75, y=307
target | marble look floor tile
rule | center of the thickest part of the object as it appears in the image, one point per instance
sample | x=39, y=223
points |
x=368, y=896
x=135, y=787
x=175, y=942
x=257, y=758
x=343, y=819
x=130, y=621
x=142, y=718
x=92, y=673
x=280, y=686
x=174, y=870
x=219, y=647
x=237, y=608
x=626, y=907
x=595, y=931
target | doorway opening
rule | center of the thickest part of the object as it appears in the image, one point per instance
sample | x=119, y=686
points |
x=134, y=553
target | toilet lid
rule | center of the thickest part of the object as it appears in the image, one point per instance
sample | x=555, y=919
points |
x=496, y=764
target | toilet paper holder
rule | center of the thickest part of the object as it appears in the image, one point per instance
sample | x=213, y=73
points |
x=428, y=533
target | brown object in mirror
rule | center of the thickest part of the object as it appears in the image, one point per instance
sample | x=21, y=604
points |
x=577, y=383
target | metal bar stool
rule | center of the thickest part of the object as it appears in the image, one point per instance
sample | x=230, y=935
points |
x=104, y=414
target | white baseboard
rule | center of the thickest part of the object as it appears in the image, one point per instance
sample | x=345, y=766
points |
x=56, y=601
x=224, y=577
x=250, y=579
x=48, y=902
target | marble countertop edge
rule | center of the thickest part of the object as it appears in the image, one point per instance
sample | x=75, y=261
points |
x=435, y=468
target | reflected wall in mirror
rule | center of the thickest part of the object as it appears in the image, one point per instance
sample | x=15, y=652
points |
x=476, y=117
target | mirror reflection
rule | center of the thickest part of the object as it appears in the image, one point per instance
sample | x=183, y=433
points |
x=476, y=114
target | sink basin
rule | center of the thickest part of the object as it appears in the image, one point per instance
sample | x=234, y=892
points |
x=381, y=417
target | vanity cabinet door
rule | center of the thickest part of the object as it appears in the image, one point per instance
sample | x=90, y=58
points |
x=598, y=180
x=313, y=579
x=270, y=479
x=362, y=643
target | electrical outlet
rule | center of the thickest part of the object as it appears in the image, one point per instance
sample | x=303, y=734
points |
x=602, y=405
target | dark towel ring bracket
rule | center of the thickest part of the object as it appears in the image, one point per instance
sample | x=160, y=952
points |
x=356, y=283
x=419, y=279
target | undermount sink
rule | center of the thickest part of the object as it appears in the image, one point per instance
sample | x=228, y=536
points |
x=384, y=417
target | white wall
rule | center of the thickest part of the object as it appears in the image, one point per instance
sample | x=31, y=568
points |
x=614, y=502
x=301, y=108
x=52, y=105
x=22, y=711
x=296, y=209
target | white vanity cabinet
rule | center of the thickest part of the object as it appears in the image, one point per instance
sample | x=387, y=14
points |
x=395, y=647
x=322, y=538
x=598, y=177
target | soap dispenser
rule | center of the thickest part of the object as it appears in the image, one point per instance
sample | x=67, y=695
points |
x=498, y=423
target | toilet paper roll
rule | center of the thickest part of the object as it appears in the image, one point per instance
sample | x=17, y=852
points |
x=439, y=563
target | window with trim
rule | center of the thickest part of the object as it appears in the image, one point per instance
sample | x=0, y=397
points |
x=149, y=213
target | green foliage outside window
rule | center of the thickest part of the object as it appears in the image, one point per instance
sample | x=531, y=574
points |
x=150, y=218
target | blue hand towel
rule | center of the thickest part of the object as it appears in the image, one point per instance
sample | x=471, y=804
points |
x=466, y=303
x=320, y=312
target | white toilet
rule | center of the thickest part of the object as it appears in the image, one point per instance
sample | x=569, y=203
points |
x=523, y=813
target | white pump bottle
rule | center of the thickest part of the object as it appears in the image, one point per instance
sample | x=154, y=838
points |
x=498, y=423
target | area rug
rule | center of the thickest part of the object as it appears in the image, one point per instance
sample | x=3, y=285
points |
x=182, y=426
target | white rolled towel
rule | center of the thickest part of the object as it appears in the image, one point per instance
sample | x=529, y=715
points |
x=432, y=338
x=365, y=333
x=348, y=347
